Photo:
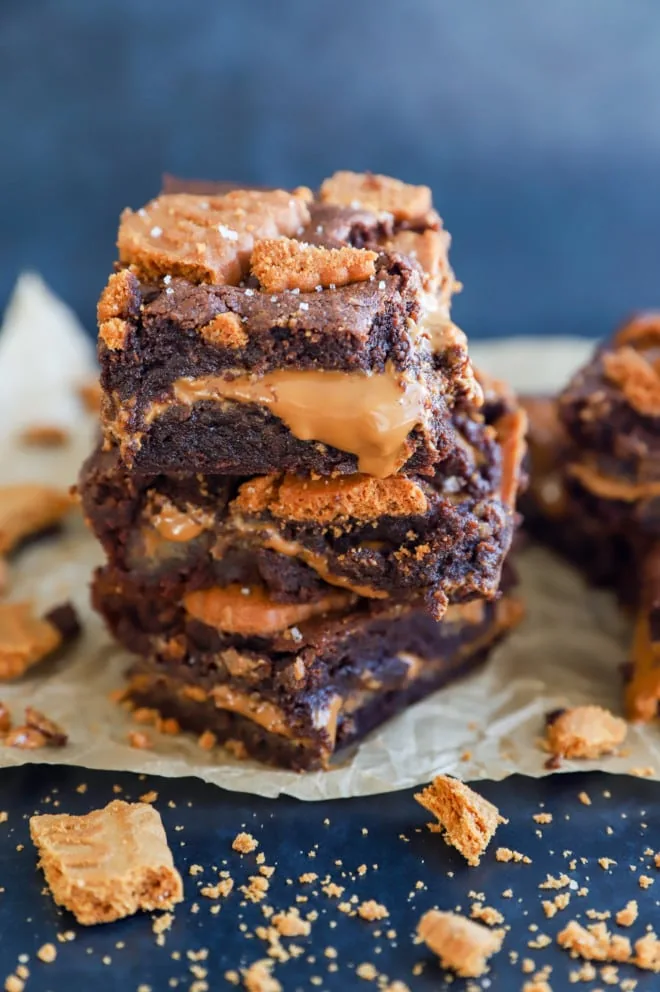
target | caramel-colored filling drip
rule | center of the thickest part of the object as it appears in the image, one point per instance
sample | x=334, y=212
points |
x=251, y=612
x=368, y=415
x=609, y=487
x=173, y=524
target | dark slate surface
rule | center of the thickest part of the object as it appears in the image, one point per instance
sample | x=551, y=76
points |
x=537, y=125
x=204, y=819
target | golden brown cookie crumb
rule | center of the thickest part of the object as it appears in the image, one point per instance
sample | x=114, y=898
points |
x=139, y=740
x=149, y=797
x=485, y=914
x=467, y=819
x=585, y=732
x=28, y=509
x=258, y=978
x=647, y=952
x=115, y=333
x=594, y=942
x=127, y=864
x=45, y=436
x=226, y=330
x=462, y=945
x=645, y=882
x=636, y=377
x=47, y=953
x=381, y=194
x=627, y=916
x=25, y=639
x=584, y=798
x=542, y=817
x=283, y=263
x=606, y=863
x=372, y=910
x=221, y=890
x=367, y=971
x=506, y=854
x=207, y=740
x=290, y=923
x=90, y=396
x=244, y=843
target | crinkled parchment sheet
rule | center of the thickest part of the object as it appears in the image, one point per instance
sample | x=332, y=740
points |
x=567, y=650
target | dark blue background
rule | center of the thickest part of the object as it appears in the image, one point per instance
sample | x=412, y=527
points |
x=538, y=125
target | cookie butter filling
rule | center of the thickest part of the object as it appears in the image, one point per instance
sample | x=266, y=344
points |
x=251, y=612
x=368, y=415
x=609, y=487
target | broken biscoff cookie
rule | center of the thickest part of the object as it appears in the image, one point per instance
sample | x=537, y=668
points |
x=461, y=944
x=108, y=864
x=584, y=732
x=26, y=639
x=466, y=818
x=28, y=509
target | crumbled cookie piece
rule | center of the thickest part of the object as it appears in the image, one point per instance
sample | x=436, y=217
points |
x=225, y=331
x=139, y=740
x=636, y=377
x=45, y=436
x=381, y=194
x=645, y=881
x=542, y=817
x=466, y=818
x=283, y=263
x=594, y=942
x=90, y=396
x=647, y=952
x=290, y=924
x=627, y=916
x=207, y=239
x=29, y=509
x=371, y=910
x=47, y=953
x=486, y=914
x=108, y=864
x=462, y=945
x=585, y=732
x=258, y=977
x=506, y=854
x=25, y=639
x=244, y=843
x=36, y=720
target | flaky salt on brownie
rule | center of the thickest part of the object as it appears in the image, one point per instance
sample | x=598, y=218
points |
x=109, y=863
x=230, y=340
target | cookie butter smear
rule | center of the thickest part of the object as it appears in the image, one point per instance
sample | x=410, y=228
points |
x=368, y=415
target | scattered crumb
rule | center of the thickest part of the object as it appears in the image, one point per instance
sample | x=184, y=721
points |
x=372, y=910
x=290, y=924
x=506, y=854
x=47, y=953
x=468, y=821
x=584, y=798
x=44, y=436
x=462, y=945
x=585, y=732
x=486, y=914
x=244, y=843
x=149, y=797
x=645, y=881
x=258, y=977
x=542, y=817
x=594, y=942
x=606, y=863
x=138, y=739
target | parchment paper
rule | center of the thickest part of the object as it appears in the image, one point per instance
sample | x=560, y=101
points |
x=567, y=651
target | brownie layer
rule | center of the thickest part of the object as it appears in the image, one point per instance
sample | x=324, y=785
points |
x=611, y=409
x=436, y=540
x=253, y=332
x=313, y=704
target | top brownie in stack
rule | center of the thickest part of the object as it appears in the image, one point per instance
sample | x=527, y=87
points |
x=263, y=331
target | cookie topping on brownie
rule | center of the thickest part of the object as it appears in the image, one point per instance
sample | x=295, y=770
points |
x=207, y=240
x=410, y=204
x=281, y=264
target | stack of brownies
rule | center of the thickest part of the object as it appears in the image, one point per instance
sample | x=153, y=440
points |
x=595, y=491
x=305, y=500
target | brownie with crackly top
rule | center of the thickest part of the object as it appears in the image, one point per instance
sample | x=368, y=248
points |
x=260, y=331
x=301, y=702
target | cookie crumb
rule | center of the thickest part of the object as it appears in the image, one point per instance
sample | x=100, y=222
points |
x=627, y=916
x=371, y=910
x=585, y=732
x=462, y=945
x=468, y=821
x=244, y=843
x=283, y=263
x=506, y=854
x=47, y=953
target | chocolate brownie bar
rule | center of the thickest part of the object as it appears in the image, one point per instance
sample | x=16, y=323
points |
x=438, y=540
x=301, y=706
x=238, y=340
